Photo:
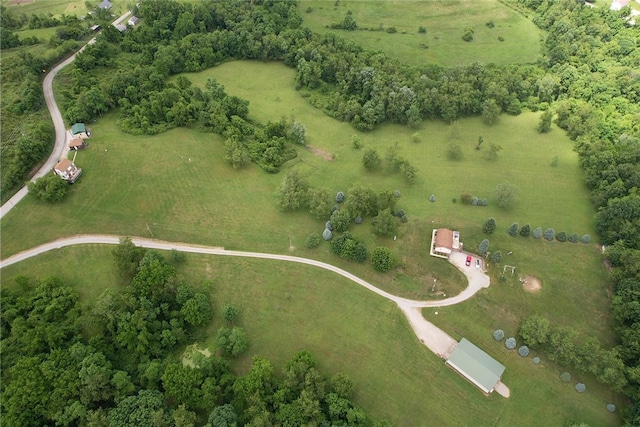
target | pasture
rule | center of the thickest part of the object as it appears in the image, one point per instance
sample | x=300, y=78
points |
x=444, y=22
x=176, y=186
x=285, y=308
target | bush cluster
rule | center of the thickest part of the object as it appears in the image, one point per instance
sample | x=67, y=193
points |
x=523, y=351
x=498, y=335
x=349, y=247
x=510, y=343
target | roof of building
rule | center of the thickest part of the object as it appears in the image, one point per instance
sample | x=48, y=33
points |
x=134, y=20
x=476, y=365
x=105, y=4
x=63, y=165
x=76, y=142
x=444, y=238
x=78, y=128
x=618, y=4
x=120, y=27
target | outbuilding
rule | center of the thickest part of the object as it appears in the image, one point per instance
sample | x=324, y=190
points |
x=476, y=366
x=133, y=21
x=79, y=130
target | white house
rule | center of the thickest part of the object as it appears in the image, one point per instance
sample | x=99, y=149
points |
x=66, y=170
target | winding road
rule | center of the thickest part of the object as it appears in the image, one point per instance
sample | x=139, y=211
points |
x=434, y=338
x=61, y=132
x=438, y=341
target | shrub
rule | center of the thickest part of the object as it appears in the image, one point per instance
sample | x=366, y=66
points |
x=327, y=234
x=586, y=238
x=483, y=248
x=340, y=220
x=523, y=351
x=474, y=201
x=392, y=30
x=498, y=335
x=525, y=231
x=432, y=198
x=230, y=312
x=483, y=202
x=382, y=259
x=454, y=151
x=611, y=407
x=176, y=256
x=397, y=193
x=573, y=238
x=312, y=241
x=465, y=198
x=510, y=343
x=561, y=236
x=565, y=377
x=513, y=229
x=454, y=200
x=549, y=234
x=334, y=208
x=422, y=30
x=340, y=197
x=358, y=220
x=400, y=213
x=489, y=226
x=496, y=257
x=329, y=225
x=468, y=35
x=580, y=387
x=536, y=360
x=356, y=142
x=404, y=219
x=501, y=38
x=537, y=233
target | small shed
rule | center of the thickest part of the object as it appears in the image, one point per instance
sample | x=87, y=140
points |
x=133, y=21
x=120, y=27
x=475, y=365
x=79, y=130
x=77, y=144
x=95, y=28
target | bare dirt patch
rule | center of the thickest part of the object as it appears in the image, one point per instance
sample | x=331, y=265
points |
x=321, y=153
x=532, y=284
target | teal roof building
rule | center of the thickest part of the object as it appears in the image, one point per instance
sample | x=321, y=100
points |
x=475, y=365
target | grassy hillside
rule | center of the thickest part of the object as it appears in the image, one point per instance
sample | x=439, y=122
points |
x=285, y=308
x=445, y=23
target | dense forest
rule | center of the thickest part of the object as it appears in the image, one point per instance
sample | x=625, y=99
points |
x=587, y=78
x=115, y=364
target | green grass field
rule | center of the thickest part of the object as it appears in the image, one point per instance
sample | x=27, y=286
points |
x=58, y=7
x=286, y=308
x=175, y=186
x=445, y=23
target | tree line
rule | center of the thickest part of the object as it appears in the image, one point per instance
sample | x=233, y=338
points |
x=114, y=362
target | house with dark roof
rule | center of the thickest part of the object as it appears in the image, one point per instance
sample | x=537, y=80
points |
x=79, y=130
x=68, y=171
x=476, y=366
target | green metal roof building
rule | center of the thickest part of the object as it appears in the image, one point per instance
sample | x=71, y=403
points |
x=475, y=365
x=78, y=128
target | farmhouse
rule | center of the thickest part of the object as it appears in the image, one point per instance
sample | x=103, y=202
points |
x=476, y=366
x=133, y=21
x=66, y=170
x=443, y=242
x=77, y=144
x=79, y=130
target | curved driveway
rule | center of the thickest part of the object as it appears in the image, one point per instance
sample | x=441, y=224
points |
x=107, y=239
x=61, y=132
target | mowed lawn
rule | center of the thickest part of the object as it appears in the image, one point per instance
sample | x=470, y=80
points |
x=445, y=23
x=286, y=308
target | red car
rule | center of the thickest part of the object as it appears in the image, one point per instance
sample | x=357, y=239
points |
x=468, y=263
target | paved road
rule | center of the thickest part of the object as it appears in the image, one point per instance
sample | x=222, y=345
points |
x=61, y=132
x=85, y=239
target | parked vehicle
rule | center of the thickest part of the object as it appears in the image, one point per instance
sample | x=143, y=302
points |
x=468, y=263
